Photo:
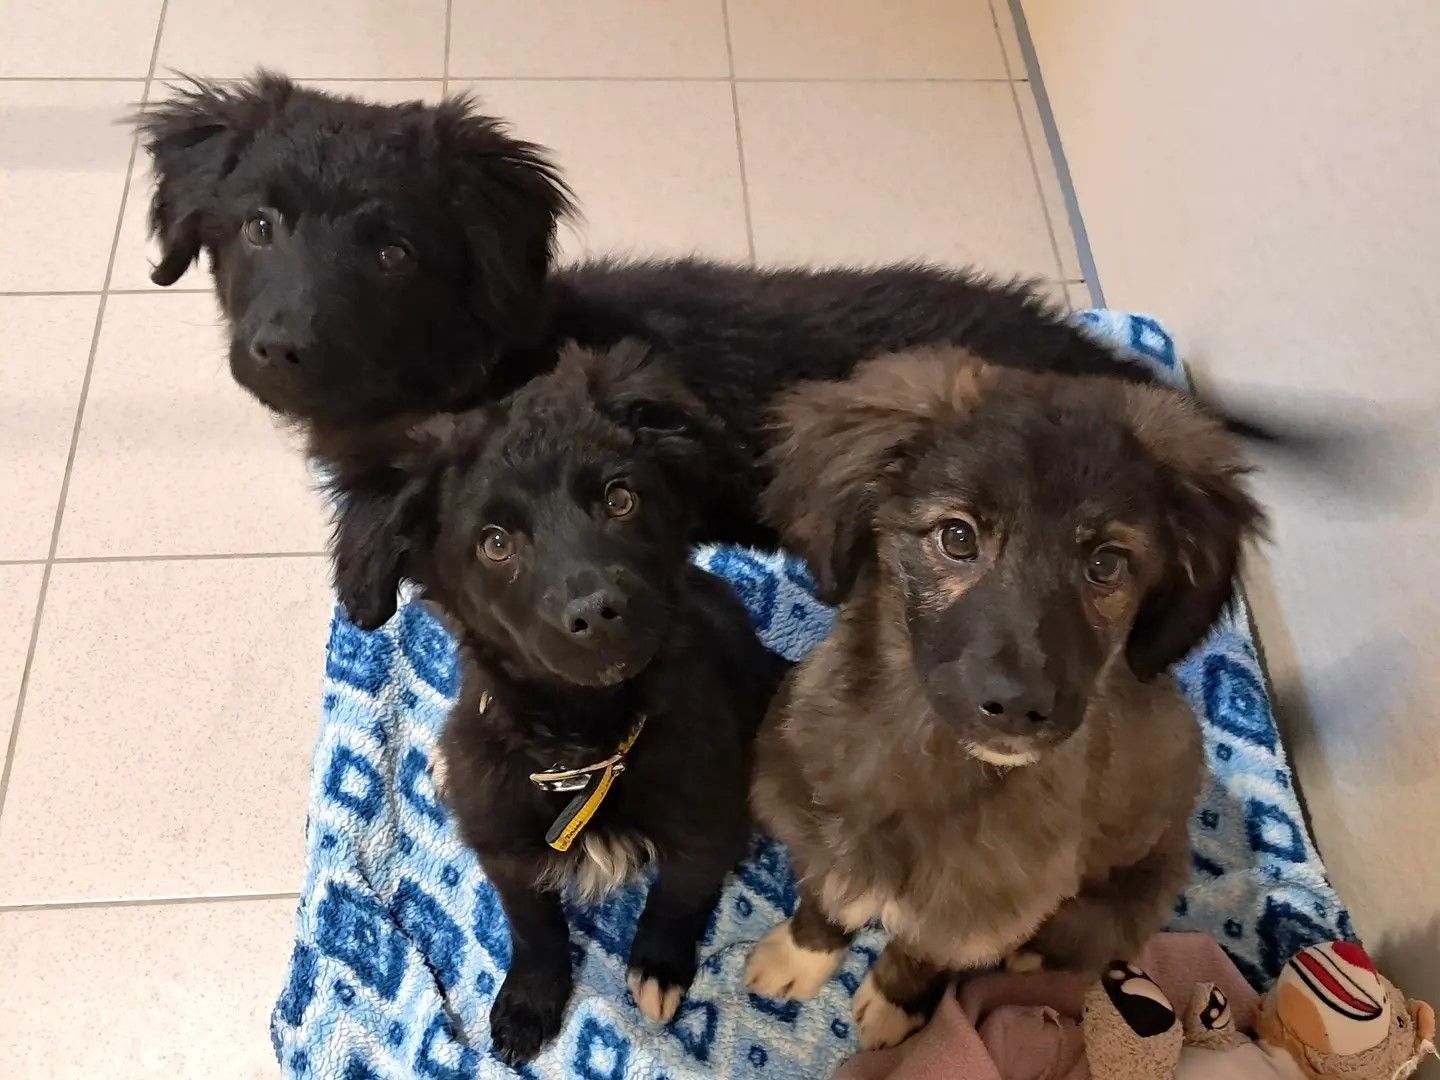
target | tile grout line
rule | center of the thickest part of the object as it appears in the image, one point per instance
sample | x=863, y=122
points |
x=13, y=741
x=147, y=901
x=908, y=79
x=445, y=62
x=96, y=292
x=552, y=78
x=1074, y=220
x=1029, y=147
x=739, y=138
x=203, y=556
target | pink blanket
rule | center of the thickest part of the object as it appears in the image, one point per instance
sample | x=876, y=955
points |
x=1027, y=1027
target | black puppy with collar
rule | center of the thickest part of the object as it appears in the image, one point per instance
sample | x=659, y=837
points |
x=552, y=533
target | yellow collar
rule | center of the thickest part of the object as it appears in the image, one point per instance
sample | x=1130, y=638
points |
x=591, y=783
x=575, y=779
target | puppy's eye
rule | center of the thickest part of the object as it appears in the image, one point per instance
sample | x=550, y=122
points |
x=620, y=501
x=395, y=258
x=1106, y=567
x=259, y=227
x=957, y=540
x=496, y=544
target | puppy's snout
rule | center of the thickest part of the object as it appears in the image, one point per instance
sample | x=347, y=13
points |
x=597, y=615
x=1013, y=702
x=1034, y=708
x=273, y=348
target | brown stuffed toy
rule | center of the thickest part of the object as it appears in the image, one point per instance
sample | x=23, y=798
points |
x=1330, y=1016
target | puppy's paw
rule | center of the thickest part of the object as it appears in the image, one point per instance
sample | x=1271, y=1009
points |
x=526, y=1015
x=780, y=968
x=1023, y=961
x=653, y=996
x=662, y=967
x=880, y=1021
x=440, y=775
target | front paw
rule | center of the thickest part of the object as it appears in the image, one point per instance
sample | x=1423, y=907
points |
x=654, y=996
x=779, y=967
x=440, y=776
x=526, y=1015
x=882, y=1023
x=660, y=973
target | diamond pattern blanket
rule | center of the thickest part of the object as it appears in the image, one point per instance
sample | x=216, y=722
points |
x=401, y=943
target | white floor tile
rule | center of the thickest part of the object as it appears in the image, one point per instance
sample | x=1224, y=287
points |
x=316, y=39
x=1057, y=291
x=128, y=993
x=174, y=458
x=62, y=168
x=862, y=39
x=58, y=38
x=653, y=164
x=47, y=343
x=164, y=745
x=874, y=172
x=588, y=39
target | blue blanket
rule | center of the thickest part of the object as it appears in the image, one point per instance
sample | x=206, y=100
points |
x=401, y=943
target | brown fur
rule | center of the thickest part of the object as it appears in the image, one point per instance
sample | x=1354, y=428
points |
x=875, y=767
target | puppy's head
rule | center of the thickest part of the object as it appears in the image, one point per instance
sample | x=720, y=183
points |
x=554, y=527
x=1033, y=529
x=370, y=259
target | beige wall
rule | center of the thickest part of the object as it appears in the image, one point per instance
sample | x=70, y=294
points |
x=1266, y=176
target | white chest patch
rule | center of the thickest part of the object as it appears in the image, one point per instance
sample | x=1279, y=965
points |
x=599, y=865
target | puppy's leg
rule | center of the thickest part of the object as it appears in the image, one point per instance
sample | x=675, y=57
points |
x=799, y=956
x=1113, y=919
x=897, y=996
x=662, y=956
x=531, y=1004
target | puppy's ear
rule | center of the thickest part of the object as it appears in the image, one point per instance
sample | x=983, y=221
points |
x=841, y=445
x=194, y=139
x=509, y=198
x=378, y=525
x=1207, y=515
x=667, y=417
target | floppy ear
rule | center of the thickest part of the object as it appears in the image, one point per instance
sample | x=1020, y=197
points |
x=841, y=444
x=696, y=450
x=509, y=198
x=373, y=530
x=194, y=139
x=1207, y=515
x=666, y=416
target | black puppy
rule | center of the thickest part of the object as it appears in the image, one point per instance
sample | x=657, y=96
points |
x=378, y=263
x=557, y=544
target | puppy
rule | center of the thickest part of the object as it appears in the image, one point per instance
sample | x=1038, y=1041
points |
x=610, y=690
x=379, y=263
x=986, y=755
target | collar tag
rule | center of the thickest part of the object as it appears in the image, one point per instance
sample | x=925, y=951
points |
x=591, y=783
x=579, y=810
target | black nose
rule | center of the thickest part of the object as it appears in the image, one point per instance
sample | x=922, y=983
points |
x=599, y=614
x=271, y=347
x=1014, y=703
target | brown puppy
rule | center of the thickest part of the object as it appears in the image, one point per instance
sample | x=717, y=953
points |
x=986, y=754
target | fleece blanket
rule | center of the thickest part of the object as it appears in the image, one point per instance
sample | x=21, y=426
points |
x=401, y=943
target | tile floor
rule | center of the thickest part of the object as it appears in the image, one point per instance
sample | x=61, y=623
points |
x=164, y=595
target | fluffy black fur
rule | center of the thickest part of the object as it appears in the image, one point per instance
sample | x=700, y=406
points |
x=379, y=263
x=556, y=541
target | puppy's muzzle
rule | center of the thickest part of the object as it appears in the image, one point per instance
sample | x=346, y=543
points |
x=598, y=618
x=276, y=349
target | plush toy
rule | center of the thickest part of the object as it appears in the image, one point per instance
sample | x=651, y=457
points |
x=1330, y=1016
